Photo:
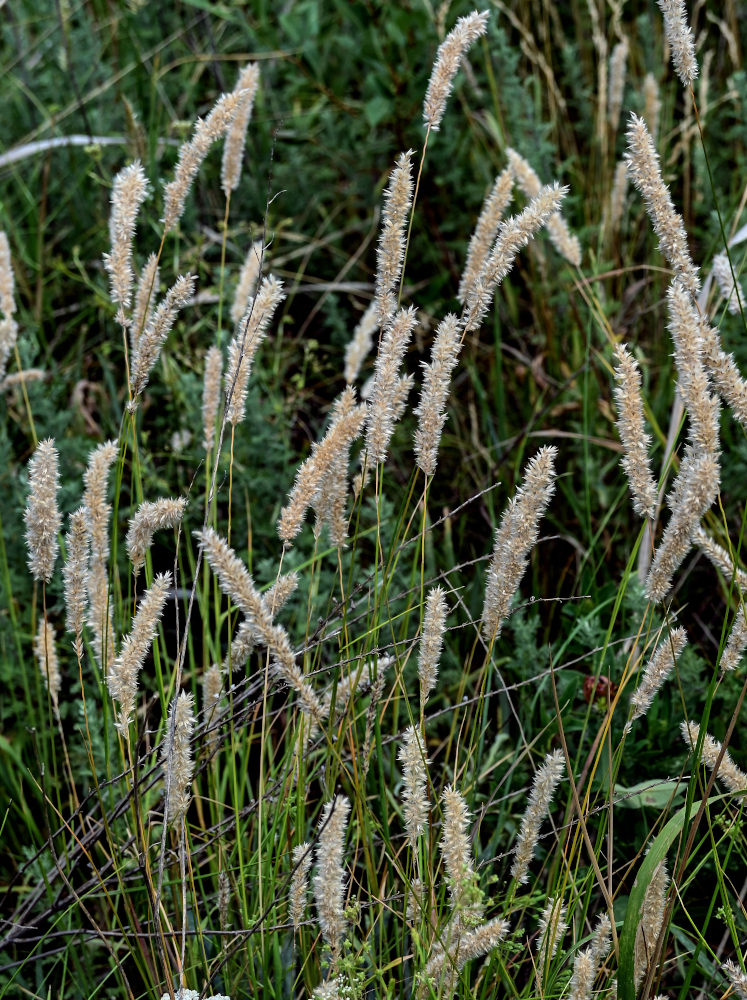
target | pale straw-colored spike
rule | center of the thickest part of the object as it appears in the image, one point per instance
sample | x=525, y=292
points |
x=233, y=149
x=75, y=575
x=100, y=614
x=564, y=241
x=651, y=105
x=736, y=643
x=329, y=880
x=721, y=559
x=464, y=894
x=431, y=642
x=722, y=368
x=46, y=658
x=7, y=278
x=726, y=284
x=129, y=191
x=176, y=757
x=631, y=427
x=650, y=921
x=250, y=333
x=154, y=336
x=515, y=538
x=513, y=234
x=435, y=392
x=618, y=66
x=361, y=342
x=645, y=172
x=299, y=886
x=311, y=473
x=96, y=483
x=212, y=688
x=193, y=152
x=22, y=377
x=441, y=974
x=616, y=207
x=415, y=805
x=552, y=928
x=150, y=517
x=737, y=978
x=386, y=385
x=450, y=53
x=586, y=963
x=546, y=780
x=211, y=394
x=330, y=501
x=728, y=773
x=390, y=252
x=8, y=339
x=123, y=672
x=148, y=286
x=42, y=516
x=659, y=667
x=235, y=581
x=246, y=286
x=680, y=39
x=485, y=232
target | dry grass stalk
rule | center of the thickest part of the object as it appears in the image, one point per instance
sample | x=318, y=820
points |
x=545, y=782
x=145, y=295
x=233, y=149
x=431, y=642
x=49, y=665
x=124, y=670
x=390, y=253
x=251, y=331
x=42, y=517
x=631, y=426
x=176, y=757
x=728, y=773
x=361, y=342
x=153, y=337
x=247, y=283
x=659, y=667
x=485, y=232
x=680, y=39
x=513, y=234
x=129, y=191
x=299, y=887
x=515, y=538
x=329, y=881
x=150, y=517
x=435, y=392
x=386, y=392
x=416, y=807
x=193, y=152
x=211, y=394
x=450, y=53
x=564, y=241
x=322, y=462
x=645, y=172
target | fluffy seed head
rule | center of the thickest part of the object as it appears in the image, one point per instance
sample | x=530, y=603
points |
x=250, y=333
x=650, y=922
x=435, y=392
x=247, y=283
x=145, y=295
x=631, y=426
x=176, y=756
x=233, y=149
x=75, y=574
x=485, y=232
x=46, y=658
x=299, y=886
x=129, y=191
x=658, y=669
x=211, y=394
x=390, y=252
x=361, y=342
x=154, y=336
x=411, y=755
x=450, y=53
x=150, y=517
x=564, y=241
x=680, y=39
x=545, y=782
x=431, y=642
x=43, y=519
x=329, y=881
x=386, y=391
x=618, y=63
x=728, y=773
x=466, y=899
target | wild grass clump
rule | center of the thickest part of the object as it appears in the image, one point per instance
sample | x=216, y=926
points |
x=472, y=730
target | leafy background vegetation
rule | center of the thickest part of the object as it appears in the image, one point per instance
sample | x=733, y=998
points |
x=341, y=94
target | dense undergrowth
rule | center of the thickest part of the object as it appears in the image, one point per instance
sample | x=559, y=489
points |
x=112, y=884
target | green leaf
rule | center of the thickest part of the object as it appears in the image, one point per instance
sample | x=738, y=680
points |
x=646, y=793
